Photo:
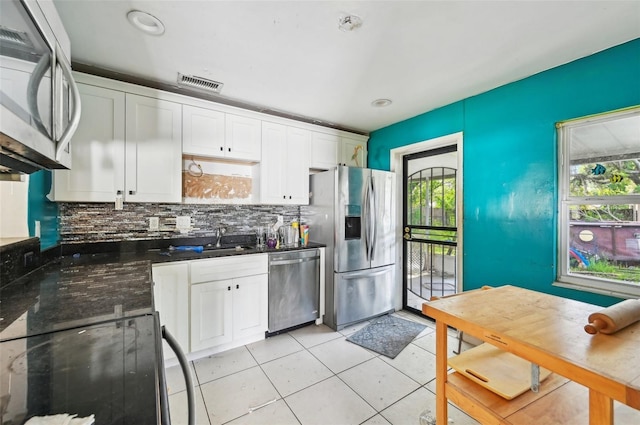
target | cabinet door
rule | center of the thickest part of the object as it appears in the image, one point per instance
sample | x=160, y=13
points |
x=211, y=314
x=153, y=150
x=250, y=305
x=324, y=151
x=354, y=152
x=97, y=149
x=296, y=171
x=203, y=131
x=171, y=299
x=274, y=139
x=243, y=138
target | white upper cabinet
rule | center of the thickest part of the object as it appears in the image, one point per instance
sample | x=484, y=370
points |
x=324, y=151
x=284, y=169
x=125, y=144
x=97, y=149
x=215, y=134
x=243, y=138
x=203, y=132
x=353, y=151
x=296, y=171
x=153, y=150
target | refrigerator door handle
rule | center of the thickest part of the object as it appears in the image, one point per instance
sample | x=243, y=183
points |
x=366, y=273
x=366, y=217
x=372, y=220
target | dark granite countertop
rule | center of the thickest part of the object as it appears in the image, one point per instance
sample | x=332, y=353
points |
x=85, y=322
x=93, y=283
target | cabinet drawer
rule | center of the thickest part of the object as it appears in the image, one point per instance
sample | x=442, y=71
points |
x=213, y=269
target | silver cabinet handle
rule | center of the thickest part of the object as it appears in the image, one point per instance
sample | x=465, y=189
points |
x=75, y=116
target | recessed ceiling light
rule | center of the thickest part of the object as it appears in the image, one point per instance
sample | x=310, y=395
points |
x=145, y=22
x=349, y=22
x=381, y=103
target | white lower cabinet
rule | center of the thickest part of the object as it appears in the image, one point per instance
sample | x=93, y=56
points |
x=213, y=304
x=250, y=304
x=211, y=314
x=171, y=299
x=228, y=310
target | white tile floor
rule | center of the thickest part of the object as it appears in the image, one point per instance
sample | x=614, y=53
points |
x=313, y=376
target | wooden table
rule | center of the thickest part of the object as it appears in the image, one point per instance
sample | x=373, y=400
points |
x=543, y=329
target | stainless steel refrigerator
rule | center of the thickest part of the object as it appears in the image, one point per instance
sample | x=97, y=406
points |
x=352, y=212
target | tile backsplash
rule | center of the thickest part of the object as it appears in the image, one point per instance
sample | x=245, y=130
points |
x=100, y=222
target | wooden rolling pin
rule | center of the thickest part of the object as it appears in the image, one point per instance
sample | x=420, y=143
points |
x=614, y=318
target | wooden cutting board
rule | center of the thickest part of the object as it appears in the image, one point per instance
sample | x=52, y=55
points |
x=499, y=371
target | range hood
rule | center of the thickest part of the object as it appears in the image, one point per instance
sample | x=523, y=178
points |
x=27, y=161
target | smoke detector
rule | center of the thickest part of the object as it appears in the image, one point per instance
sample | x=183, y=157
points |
x=199, y=83
x=349, y=22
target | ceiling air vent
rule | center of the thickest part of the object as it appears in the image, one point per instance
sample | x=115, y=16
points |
x=15, y=38
x=199, y=83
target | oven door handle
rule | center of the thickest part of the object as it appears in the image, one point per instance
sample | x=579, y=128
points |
x=184, y=364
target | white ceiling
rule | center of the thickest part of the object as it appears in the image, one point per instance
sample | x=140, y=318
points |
x=290, y=56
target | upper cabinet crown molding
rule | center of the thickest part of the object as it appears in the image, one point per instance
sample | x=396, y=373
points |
x=131, y=140
x=207, y=104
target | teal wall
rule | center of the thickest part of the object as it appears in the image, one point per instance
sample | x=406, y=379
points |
x=510, y=164
x=43, y=210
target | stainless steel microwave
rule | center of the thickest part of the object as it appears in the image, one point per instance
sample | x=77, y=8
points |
x=39, y=100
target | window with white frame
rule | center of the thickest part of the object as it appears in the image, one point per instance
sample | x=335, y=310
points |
x=599, y=203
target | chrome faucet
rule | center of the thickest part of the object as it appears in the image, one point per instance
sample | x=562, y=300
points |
x=219, y=233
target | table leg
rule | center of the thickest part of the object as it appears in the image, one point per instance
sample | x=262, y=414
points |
x=441, y=372
x=600, y=408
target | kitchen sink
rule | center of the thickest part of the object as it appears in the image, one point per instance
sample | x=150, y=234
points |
x=227, y=248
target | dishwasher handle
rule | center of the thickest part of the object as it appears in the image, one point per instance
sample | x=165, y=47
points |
x=293, y=261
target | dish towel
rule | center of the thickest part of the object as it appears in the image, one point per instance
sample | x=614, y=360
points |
x=62, y=419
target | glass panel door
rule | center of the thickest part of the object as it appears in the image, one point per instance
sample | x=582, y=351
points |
x=430, y=226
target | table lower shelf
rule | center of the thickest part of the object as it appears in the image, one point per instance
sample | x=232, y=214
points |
x=559, y=401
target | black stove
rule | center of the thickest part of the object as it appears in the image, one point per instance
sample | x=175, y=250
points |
x=107, y=370
x=80, y=336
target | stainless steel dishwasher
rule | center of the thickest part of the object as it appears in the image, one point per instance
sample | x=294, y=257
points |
x=294, y=288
